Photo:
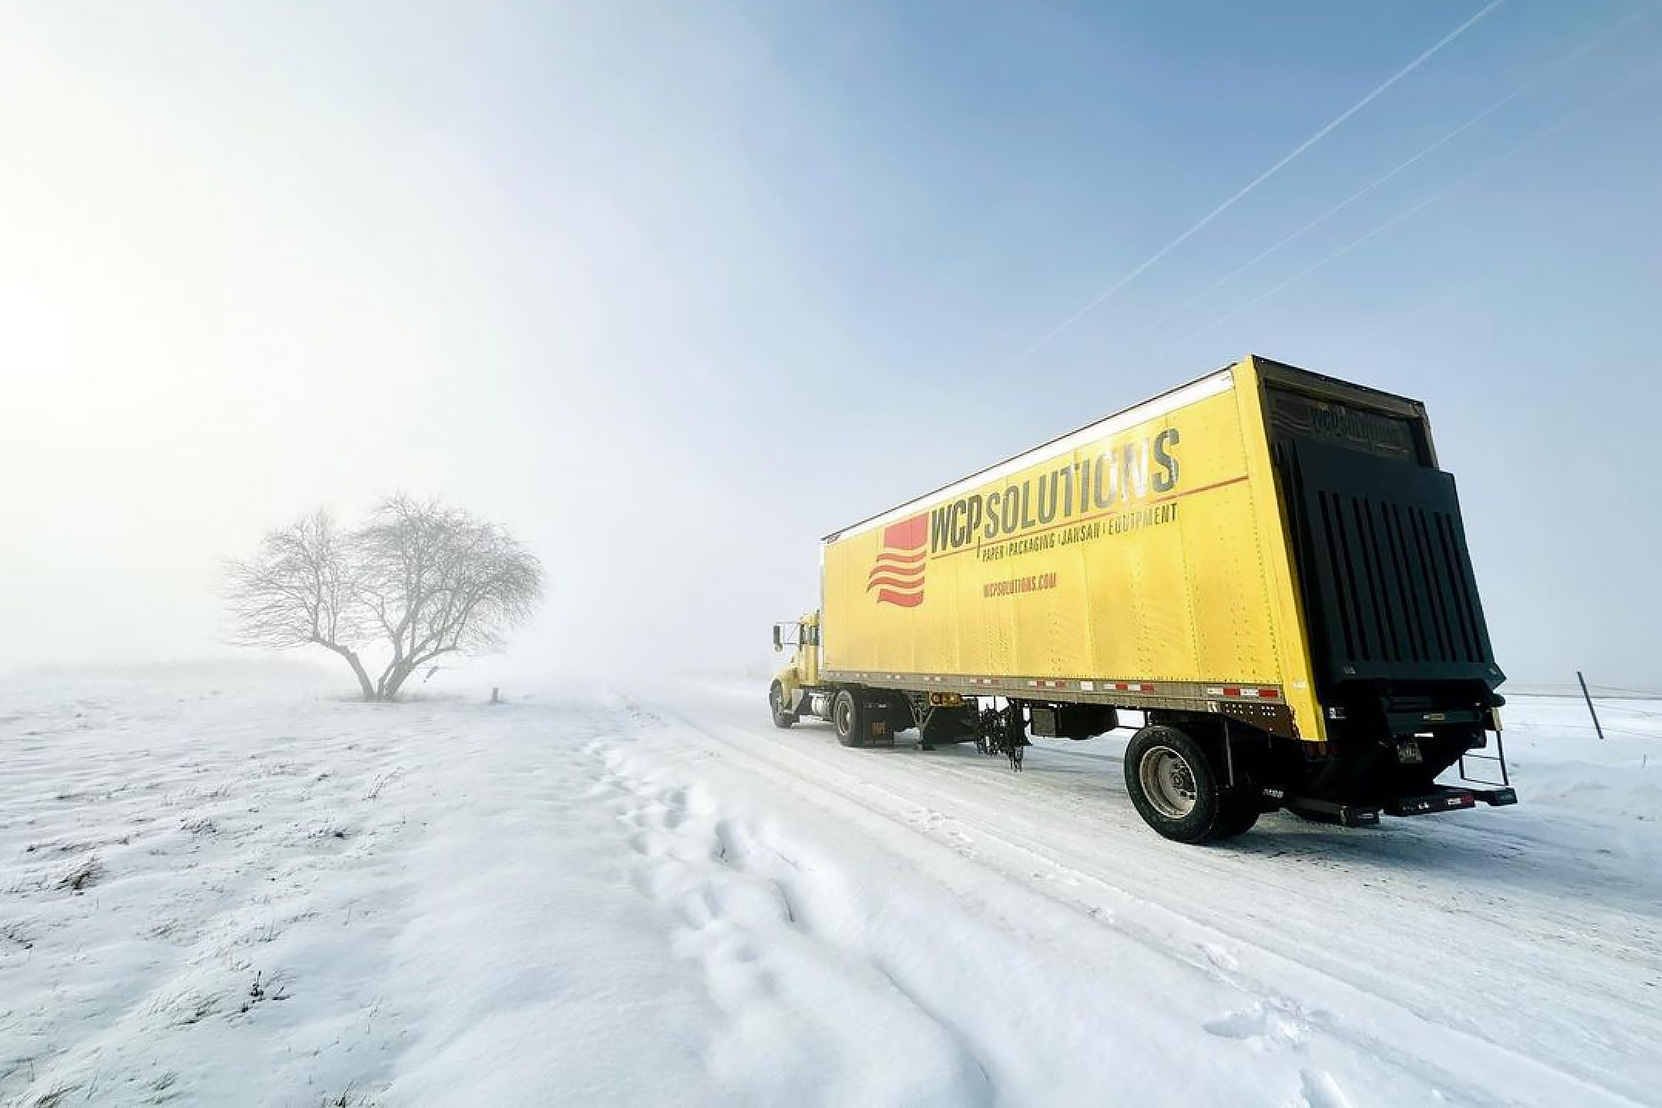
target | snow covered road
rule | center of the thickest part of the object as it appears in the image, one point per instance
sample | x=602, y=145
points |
x=595, y=897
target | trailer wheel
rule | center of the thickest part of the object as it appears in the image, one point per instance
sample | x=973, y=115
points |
x=848, y=719
x=776, y=704
x=1177, y=790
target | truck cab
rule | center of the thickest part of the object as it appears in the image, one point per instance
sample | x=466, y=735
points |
x=792, y=683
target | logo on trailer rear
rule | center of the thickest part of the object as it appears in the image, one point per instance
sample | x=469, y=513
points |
x=897, y=575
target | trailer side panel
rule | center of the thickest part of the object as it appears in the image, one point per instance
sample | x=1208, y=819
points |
x=1136, y=553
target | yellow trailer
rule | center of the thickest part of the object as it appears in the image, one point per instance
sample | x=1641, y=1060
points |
x=1265, y=561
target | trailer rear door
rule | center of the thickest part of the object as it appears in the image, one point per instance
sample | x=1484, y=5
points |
x=1386, y=576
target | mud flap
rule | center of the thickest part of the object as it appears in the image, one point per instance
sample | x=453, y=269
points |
x=879, y=731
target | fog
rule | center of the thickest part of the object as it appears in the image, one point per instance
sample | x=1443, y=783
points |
x=673, y=290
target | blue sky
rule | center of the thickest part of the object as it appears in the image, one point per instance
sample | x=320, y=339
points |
x=744, y=272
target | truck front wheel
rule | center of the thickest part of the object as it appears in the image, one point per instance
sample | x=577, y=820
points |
x=1179, y=792
x=847, y=718
x=776, y=704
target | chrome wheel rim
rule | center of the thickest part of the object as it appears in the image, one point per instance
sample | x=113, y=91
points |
x=1168, y=782
x=845, y=717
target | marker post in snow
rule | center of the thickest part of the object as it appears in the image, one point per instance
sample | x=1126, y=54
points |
x=1590, y=710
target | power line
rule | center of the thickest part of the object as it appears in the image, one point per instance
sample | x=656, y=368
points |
x=1254, y=183
x=1540, y=76
x=1600, y=692
x=1647, y=693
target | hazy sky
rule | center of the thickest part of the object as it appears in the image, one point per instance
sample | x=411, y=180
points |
x=673, y=289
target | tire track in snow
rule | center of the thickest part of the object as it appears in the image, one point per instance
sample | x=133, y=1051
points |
x=1388, y=1019
x=1627, y=941
x=1519, y=919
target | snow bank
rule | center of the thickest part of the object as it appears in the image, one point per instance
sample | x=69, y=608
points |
x=1562, y=762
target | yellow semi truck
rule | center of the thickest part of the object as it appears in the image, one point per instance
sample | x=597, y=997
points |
x=1265, y=563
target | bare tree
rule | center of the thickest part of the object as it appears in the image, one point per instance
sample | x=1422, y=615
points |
x=419, y=579
x=436, y=581
x=299, y=591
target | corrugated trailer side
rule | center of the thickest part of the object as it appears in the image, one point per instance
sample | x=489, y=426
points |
x=1140, y=562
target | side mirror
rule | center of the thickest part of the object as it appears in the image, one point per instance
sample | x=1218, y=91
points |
x=777, y=644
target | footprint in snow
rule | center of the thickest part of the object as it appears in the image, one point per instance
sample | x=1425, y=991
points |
x=1220, y=957
x=648, y=844
x=1317, y=1089
x=1259, y=1027
x=730, y=848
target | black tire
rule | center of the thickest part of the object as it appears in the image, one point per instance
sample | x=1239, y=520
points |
x=1177, y=789
x=848, y=719
x=776, y=705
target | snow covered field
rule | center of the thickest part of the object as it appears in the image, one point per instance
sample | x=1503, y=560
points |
x=232, y=887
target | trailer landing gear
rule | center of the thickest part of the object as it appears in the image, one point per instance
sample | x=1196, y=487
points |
x=1003, y=731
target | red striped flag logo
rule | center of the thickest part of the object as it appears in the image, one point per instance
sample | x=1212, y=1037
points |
x=897, y=575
